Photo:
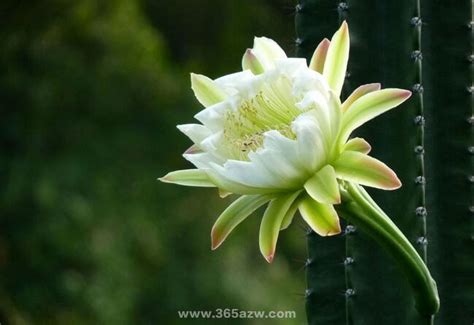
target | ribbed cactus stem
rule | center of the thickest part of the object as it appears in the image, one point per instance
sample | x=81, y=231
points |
x=350, y=229
x=325, y=299
x=384, y=36
x=424, y=46
x=447, y=73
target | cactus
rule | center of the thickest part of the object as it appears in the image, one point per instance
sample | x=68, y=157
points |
x=325, y=276
x=449, y=154
x=424, y=46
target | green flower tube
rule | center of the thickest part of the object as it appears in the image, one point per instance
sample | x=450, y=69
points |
x=358, y=208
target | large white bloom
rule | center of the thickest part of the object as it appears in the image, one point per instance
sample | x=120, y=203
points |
x=277, y=132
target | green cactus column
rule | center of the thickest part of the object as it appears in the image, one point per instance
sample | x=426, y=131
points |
x=385, y=47
x=447, y=70
x=326, y=286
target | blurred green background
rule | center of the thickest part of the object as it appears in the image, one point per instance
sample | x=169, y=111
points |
x=91, y=92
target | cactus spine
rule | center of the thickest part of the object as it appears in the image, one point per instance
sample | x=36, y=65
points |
x=424, y=46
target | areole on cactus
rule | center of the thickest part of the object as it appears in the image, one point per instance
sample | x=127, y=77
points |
x=277, y=133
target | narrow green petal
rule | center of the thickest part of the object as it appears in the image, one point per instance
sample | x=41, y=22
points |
x=235, y=214
x=250, y=62
x=359, y=92
x=358, y=144
x=336, y=59
x=206, y=91
x=362, y=169
x=370, y=106
x=322, y=218
x=188, y=177
x=336, y=114
x=319, y=56
x=323, y=186
x=271, y=223
x=290, y=214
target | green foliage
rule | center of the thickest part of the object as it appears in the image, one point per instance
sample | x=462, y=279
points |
x=91, y=93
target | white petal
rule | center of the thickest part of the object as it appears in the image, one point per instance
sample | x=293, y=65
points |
x=231, y=82
x=212, y=142
x=213, y=116
x=287, y=149
x=200, y=160
x=213, y=145
x=252, y=174
x=282, y=163
x=309, y=80
x=217, y=174
x=193, y=149
x=314, y=99
x=291, y=67
x=267, y=51
x=195, y=132
x=277, y=165
x=310, y=141
x=317, y=104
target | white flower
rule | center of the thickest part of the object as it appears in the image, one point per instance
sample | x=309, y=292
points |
x=277, y=133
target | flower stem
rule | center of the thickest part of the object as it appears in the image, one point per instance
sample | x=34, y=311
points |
x=358, y=208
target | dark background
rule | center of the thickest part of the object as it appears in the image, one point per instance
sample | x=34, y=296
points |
x=90, y=95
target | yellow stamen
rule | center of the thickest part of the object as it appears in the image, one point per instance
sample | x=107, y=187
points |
x=268, y=110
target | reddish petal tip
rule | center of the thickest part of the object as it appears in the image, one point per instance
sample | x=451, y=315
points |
x=215, y=240
x=397, y=184
x=269, y=258
x=394, y=183
x=405, y=94
x=215, y=244
x=374, y=86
